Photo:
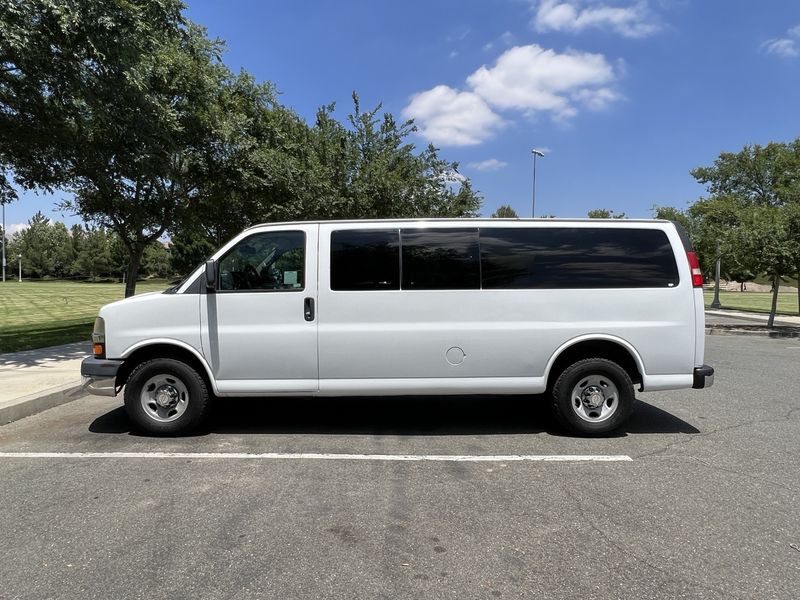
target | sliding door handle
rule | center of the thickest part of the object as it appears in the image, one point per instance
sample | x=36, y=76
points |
x=308, y=309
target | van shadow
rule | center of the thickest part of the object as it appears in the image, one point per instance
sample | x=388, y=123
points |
x=400, y=415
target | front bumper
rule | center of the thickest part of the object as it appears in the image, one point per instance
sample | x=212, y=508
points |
x=703, y=377
x=99, y=376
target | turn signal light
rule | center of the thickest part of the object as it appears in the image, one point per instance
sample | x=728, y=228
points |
x=694, y=265
x=98, y=350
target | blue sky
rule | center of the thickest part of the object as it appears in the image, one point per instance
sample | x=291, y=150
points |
x=624, y=96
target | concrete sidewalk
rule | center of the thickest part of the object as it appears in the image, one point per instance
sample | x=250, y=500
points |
x=739, y=316
x=34, y=380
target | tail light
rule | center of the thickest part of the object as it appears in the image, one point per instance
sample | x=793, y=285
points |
x=694, y=265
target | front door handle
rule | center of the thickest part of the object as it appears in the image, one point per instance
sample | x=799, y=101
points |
x=308, y=309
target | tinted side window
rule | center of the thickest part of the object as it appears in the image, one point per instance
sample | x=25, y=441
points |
x=576, y=258
x=265, y=261
x=365, y=260
x=440, y=259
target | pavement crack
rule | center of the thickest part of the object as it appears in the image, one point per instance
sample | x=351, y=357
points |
x=691, y=583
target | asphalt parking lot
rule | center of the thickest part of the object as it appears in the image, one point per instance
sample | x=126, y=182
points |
x=706, y=507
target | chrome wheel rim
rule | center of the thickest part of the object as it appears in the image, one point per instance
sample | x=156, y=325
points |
x=595, y=398
x=164, y=398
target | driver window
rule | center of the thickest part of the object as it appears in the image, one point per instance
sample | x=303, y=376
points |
x=265, y=261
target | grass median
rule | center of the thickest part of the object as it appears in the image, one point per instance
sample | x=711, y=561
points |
x=760, y=302
x=48, y=313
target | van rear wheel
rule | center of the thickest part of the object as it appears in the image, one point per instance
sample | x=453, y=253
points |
x=164, y=396
x=593, y=396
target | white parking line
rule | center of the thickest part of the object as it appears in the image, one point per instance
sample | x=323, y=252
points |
x=320, y=456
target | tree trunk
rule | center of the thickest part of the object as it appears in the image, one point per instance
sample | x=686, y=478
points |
x=715, y=303
x=775, y=287
x=133, y=270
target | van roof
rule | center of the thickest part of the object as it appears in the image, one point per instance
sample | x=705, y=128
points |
x=463, y=220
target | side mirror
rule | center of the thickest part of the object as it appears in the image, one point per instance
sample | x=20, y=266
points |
x=211, y=275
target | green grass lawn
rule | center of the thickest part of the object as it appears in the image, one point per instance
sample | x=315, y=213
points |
x=755, y=301
x=48, y=313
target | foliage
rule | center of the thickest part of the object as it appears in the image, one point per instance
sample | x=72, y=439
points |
x=128, y=106
x=49, y=250
x=109, y=100
x=602, y=213
x=751, y=220
x=763, y=175
x=504, y=211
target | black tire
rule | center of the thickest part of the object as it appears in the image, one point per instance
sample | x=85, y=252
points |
x=170, y=375
x=604, y=372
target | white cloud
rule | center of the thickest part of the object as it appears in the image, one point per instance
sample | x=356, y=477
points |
x=787, y=47
x=491, y=164
x=529, y=79
x=507, y=38
x=781, y=47
x=451, y=117
x=16, y=228
x=574, y=16
x=598, y=99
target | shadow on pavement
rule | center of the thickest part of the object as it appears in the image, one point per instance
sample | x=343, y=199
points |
x=404, y=415
x=45, y=356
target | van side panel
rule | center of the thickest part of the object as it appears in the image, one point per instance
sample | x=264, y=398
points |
x=483, y=336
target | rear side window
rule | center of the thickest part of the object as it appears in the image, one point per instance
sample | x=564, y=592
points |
x=365, y=260
x=440, y=259
x=576, y=258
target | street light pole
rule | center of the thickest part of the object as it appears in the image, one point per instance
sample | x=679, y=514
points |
x=20, y=267
x=535, y=153
x=4, y=242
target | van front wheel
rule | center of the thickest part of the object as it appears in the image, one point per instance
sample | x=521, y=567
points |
x=166, y=397
x=592, y=397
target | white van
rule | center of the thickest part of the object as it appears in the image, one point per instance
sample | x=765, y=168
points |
x=581, y=310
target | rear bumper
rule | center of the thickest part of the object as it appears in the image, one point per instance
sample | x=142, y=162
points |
x=703, y=377
x=99, y=376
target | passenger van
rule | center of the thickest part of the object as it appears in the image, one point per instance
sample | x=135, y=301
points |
x=579, y=310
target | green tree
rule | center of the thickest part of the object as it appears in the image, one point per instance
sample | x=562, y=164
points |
x=504, y=211
x=34, y=245
x=602, y=213
x=753, y=190
x=274, y=167
x=764, y=175
x=156, y=261
x=110, y=101
x=93, y=253
x=765, y=245
x=190, y=248
x=61, y=249
x=60, y=60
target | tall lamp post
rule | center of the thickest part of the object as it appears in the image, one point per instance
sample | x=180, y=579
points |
x=4, y=241
x=20, y=267
x=535, y=153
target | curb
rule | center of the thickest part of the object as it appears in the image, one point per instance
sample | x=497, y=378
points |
x=19, y=408
x=758, y=330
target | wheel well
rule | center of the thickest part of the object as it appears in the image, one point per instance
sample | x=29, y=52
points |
x=595, y=349
x=160, y=351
